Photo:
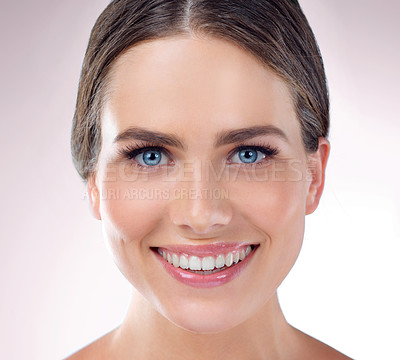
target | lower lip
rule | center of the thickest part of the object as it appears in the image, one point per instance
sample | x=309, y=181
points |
x=206, y=281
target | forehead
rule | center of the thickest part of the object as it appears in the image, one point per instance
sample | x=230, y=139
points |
x=194, y=86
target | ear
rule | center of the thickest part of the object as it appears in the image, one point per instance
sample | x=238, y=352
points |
x=316, y=170
x=94, y=197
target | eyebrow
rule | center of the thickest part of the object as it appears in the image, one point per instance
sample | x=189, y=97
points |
x=138, y=133
x=224, y=137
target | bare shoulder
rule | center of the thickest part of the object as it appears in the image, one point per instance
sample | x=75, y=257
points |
x=97, y=350
x=315, y=349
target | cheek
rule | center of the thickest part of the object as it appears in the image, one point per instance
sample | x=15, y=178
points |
x=130, y=204
x=273, y=205
x=278, y=207
x=130, y=210
x=277, y=210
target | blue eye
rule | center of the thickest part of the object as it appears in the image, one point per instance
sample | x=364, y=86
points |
x=151, y=157
x=142, y=156
x=252, y=154
x=248, y=155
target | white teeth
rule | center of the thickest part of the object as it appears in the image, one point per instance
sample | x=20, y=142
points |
x=220, y=262
x=183, y=262
x=208, y=263
x=194, y=263
x=236, y=257
x=229, y=259
x=175, y=260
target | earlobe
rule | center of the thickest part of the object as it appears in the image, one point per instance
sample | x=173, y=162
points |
x=94, y=197
x=316, y=172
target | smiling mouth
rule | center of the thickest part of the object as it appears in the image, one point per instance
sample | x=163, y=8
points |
x=205, y=265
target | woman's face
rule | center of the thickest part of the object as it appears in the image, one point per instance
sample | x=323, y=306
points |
x=193, y=192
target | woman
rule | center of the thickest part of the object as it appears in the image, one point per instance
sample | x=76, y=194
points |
x=201, y=131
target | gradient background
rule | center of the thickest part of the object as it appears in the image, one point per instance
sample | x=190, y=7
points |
x=59, y=287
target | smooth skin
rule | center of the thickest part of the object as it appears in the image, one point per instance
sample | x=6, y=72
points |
x=196, y=88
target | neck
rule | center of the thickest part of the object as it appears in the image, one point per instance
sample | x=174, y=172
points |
x=148, y=334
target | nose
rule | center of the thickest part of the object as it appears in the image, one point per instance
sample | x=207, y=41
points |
x=201, y=207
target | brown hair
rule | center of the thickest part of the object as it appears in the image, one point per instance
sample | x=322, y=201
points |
x=276, y=32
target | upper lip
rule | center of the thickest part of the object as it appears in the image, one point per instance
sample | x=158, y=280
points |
x=206, y=249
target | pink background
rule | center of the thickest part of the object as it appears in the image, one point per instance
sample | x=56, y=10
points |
x=59, y=287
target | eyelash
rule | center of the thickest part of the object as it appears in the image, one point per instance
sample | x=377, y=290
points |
x=131, y=151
